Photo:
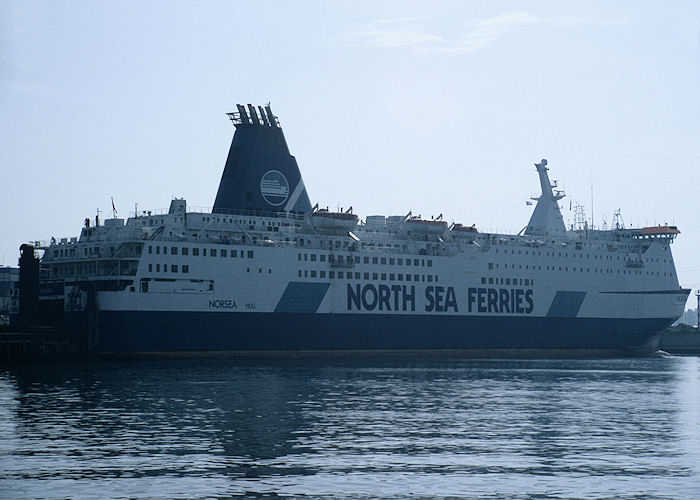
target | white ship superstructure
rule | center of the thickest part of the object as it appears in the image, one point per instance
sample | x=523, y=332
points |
x=263, y=271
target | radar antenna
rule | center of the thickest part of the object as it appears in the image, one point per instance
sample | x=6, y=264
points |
x=617, y=220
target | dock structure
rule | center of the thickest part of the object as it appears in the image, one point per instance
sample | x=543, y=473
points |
x=35, y=345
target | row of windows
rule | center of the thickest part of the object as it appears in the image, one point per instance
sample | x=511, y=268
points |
x=213, y=252
x=580, y=256
x=392, y=261
x=366, y=276
x=580, y=269
x=173, y=268
x=65, y=252
x=250, y=222
x=508, y=281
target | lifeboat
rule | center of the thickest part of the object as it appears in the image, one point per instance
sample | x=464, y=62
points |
x=323, y=219
x=416, y=225
x=462, y=231
x=660, y=231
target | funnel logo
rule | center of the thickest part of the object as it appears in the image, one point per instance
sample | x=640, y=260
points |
x=274, y=187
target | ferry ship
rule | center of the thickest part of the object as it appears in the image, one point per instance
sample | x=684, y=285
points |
x=264, y=271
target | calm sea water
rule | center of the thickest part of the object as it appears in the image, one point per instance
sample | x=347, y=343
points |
x=364, y=427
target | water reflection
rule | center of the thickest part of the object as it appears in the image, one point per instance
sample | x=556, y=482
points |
x=363, y=426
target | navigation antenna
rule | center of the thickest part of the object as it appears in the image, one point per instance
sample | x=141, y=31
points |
x=592, y=222
x=617, y=220
x=580, y=223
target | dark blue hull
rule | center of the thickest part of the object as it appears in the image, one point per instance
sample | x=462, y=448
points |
x=162, y=332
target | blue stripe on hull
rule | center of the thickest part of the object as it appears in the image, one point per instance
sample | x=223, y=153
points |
x=148, y=331
x=566, y=304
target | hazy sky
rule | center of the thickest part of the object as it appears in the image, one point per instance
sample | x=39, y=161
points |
x=433, y=107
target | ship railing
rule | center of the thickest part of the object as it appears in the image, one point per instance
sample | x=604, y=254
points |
x=220, y=211
x=498, y=232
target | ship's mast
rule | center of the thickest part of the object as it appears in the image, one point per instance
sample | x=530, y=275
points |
x=546, y=219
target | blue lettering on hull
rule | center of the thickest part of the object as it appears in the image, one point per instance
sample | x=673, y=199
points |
x=381, y=297
x=501, y=300
x=438, y=299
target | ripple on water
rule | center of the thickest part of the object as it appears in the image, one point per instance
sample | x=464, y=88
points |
x=360, y=427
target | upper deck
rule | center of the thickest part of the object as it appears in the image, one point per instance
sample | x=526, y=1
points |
x=116, y=238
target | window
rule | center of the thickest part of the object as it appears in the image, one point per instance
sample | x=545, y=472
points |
x=157, y=267
x=213, y=252
x=173, y=268
x=366, y=260
x=322, y=274
x=331, y=274
x=234, y=253
x=366, y=276
x=223, y=252
x=157, y=250
x=383, y=260
x=383, y=276
x=250, y=254
x=391, y=261
x=322, y=257
x=340, y=275
x=374, y=276
x=375, y=260
x=195, y=251
x=150, y=248
x=430, y=263
x=185, y=251
x=400, y=262
x=165, y=250
x=483, y=281
x=204, y=252
x=150, y=268
x=185, y=268
x=313, y=257
x=313, y=274
x=391, y=276
x=173, y=250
